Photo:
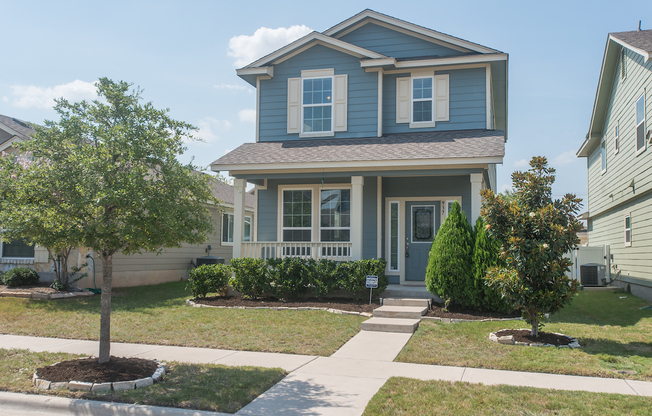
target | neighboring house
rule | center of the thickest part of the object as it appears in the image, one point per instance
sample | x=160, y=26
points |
x=134, y=270
x=619, y=160
x=365, y=136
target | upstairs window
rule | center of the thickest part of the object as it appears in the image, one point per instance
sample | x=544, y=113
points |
x=628, y=230
x=422, y=97
x=640, y=123
x=317, y=105
x=603, y=155
x=616, y=138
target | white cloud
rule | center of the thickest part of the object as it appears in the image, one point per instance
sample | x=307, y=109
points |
x=246, y=49
x=247, y=115
x=565, y=158
x=5, y=99
x=523, y=163
x=210, y=129
x=31, y=96
x=233, y=87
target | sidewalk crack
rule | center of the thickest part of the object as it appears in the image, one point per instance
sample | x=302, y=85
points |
x=463, y=373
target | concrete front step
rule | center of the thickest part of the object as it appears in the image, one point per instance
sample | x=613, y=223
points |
x=411, y=292
x=403, y=312
x=423, y=303
x=390, y=325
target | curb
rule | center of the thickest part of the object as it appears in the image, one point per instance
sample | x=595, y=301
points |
x=34, y=404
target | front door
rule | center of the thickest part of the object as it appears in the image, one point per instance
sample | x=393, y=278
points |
x=422, y=220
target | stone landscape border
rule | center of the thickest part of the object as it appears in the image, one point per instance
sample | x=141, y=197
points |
x=44, y=296
x=73, y=385
x=509, y=340
x=280, y=308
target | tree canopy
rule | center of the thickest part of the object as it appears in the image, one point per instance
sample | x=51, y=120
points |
x=106, y=176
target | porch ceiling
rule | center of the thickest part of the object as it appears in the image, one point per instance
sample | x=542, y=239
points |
x=408, y=149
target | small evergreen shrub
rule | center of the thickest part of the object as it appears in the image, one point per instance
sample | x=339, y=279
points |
x=250, y=277
x=353, y=276
x=449, y=274
x=323, y=277
x=288, y=277
x=208, y=278
x=20, y=276
x=486, y=254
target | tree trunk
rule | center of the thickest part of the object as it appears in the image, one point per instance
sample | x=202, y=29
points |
x=535, y=328
x=105, y=315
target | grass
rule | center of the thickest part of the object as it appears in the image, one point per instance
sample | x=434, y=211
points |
x=403, y=396
x=158, y=315
x=201, y=387
x=613, y=332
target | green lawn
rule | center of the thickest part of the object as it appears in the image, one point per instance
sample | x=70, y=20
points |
x=202, y=387
x=158, y=315
x=614, y=333
x=408, y=397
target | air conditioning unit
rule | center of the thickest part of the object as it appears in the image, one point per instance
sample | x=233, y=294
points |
x=592, y=274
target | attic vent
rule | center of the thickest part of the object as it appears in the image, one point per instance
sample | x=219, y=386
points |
x=622, y=63
x=22, y=123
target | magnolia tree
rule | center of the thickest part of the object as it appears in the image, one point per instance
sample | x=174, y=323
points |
x=106, y=177
x=535, y=232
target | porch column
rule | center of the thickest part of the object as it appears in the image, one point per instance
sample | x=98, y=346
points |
x=356, y=217
x=476, y=200
x=239, y=191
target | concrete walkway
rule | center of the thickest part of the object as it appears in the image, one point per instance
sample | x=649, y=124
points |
x=338, y=385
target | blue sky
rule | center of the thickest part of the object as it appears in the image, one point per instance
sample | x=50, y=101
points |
x=184, y=56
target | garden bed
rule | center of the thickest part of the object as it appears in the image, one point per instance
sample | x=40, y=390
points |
x=458, y=312
x=342, y=304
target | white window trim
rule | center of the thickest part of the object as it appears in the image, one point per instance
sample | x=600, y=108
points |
x=330, y=132
x=230, y=243
x=603, y=155
x=417, y=124
x=642, y=149
x=628, y=243
x=616, y=137
x=312, y=212
x=434, y=212
x=334, y=228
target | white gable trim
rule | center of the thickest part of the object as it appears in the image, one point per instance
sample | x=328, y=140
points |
x=6, y=145
x=641, y=52
x=392, y=21
x=307, y=41
x=9, y=130
x=262, y=71
x=461, y=60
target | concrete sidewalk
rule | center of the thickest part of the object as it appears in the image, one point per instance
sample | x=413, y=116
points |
x=341, y=384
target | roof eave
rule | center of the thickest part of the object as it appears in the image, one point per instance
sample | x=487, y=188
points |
x=643, y=53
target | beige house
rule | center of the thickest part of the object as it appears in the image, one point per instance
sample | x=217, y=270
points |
x=139, y=269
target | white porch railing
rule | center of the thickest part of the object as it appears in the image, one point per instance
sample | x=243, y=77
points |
x=274, y=249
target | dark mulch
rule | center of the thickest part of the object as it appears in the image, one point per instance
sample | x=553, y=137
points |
x=342, y=304
x=458, y=312
x=89, y=370
x=523, y=335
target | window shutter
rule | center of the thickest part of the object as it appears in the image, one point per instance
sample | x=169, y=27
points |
x=294, y=105
x=40, y=254
x=441, y=97
x=340, y=91
x=403, y=100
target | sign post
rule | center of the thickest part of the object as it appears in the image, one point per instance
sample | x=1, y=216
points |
x=372, y=283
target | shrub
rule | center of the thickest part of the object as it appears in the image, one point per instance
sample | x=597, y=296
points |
x=322, y=277
x=288, y=277
x=353, y=276
x=20, y=276
x=250, y=277
x=486, y=254
x=449, y=271
x=208, y=278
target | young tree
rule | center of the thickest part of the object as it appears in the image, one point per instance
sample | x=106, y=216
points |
x=486, y=254
x=449, y=272
x=110, y=176
x=534, y=232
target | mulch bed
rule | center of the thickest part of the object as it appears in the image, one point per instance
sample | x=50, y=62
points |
x=523, y=335
x=89, y=370
x=342, y=304
x=458, y=312
x=42, y=287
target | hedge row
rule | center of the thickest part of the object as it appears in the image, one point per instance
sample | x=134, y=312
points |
x=289, y=278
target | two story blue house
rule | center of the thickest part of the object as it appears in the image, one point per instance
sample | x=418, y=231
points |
x=366, y=134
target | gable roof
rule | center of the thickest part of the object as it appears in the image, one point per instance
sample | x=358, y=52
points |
x=16, y=128
x=224, y=192
x=389, y=151
x=372, y=15
x=638, y=41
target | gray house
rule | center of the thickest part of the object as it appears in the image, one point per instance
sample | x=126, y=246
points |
x=619, y=161
x=366, y=134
